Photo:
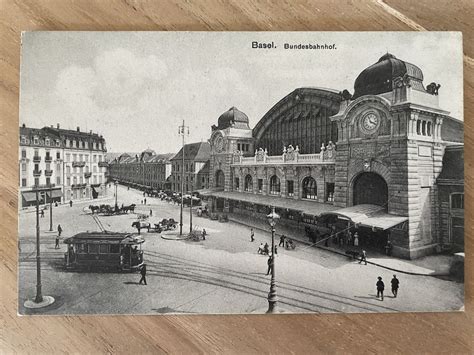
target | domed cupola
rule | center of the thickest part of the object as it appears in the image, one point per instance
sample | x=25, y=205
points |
x=377, y=79
x=233, y=118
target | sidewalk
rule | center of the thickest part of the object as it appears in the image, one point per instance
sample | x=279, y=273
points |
x=434, y=265
x=31, y=209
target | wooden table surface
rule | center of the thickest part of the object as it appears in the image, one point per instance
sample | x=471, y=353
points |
x=334, y=333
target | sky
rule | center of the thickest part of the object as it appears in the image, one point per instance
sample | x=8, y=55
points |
x=136, y=88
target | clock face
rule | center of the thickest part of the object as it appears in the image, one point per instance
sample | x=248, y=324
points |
x=370, y=122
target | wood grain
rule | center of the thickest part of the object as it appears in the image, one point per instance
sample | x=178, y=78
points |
x=407, y=333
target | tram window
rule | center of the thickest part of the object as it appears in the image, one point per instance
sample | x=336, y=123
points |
x=115, y=248
x=93, y=249
x=103, y=249
x=81, y=248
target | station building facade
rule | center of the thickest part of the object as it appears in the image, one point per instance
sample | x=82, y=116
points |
x=372, y=160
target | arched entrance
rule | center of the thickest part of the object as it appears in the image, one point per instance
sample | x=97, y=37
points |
x=219, y=179
x=370, y=188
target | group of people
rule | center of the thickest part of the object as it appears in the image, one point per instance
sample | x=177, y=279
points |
x=381, y=286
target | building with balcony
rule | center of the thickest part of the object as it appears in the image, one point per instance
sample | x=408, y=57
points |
x=146, y=170
x=372, y=162
x=63, y=158
x=195, y=173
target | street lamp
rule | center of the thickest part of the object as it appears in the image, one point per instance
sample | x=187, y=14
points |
x=272, y=218
x=182, y=131
x=50, y=207
x=40, y=300
x=116, y=184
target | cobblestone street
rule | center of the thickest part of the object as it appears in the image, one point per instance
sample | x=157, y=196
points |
x=223, y=274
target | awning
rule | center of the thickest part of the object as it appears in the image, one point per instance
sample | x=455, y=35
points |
x=308, y=207
x=370, y=216
x=30, y=196
x=55, y=193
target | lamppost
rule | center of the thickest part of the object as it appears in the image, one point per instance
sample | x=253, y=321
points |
x=116, y=184
x=182, y=131
x=40, y=300
x=50, y=207
x=272, y=218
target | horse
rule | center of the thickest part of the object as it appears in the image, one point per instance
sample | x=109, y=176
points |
x=140, y=225
x=130, y=208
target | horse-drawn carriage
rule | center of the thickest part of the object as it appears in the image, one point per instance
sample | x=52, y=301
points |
x=108, y=210
x=168, y=224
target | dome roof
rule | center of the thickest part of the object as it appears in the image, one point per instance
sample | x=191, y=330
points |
x=377, y=79
x=233, y=117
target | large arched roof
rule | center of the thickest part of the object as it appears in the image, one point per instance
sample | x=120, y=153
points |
x=328, y=98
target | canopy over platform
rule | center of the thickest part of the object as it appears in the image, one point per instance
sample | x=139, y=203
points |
x=307, y=207
x=370, y=216
x=105, y=238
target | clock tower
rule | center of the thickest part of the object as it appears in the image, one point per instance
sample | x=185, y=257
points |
x=391, y=140
x=232, y=136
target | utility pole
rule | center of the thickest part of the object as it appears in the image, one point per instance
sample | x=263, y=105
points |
x=50, y=207
x=182, y=130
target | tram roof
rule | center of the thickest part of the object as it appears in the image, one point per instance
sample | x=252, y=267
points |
x=105, y=238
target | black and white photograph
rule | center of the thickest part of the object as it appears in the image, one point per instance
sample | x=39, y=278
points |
x=240, y=173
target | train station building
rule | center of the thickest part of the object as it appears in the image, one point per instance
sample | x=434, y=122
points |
x=372, y=162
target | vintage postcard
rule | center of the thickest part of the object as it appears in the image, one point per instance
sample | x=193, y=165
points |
x=240, y=172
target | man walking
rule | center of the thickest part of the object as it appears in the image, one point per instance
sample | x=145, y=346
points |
x=395, y=283
x=143, y=272
x=70, y=203
x=151, y=212
x=380, y=287
x=269, y=263
x=252, y=235
x=42, y=213
x=56, y=246
x=282, y=241
x=363, y=257
x=60, y=230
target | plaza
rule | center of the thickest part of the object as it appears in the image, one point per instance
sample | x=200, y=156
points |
x=223, y=274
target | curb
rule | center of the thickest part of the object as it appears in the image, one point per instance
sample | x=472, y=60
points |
x=343, y=254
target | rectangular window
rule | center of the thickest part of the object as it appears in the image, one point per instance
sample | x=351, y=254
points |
x=81, y=248
x=48, y=166
x=93, y=248
x=68, y=181
x=36, y=167
x=58, y=180
x=58, y=155
x=68, y=157
x=330, y=192
x=23, y=182
x=37, y=181
x=74, y=157
x=260, y=185
x=48, y=181
x=290, y=188
x=457, y=201
x=103, y=249
x=237, y=183
x=23, y=168
x=114, y=248
x=23, y=153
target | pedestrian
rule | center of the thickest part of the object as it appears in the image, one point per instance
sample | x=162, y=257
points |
x=356, y=239
x=349, y=237
x=70, y=203
x=42, y=213
x=260, y=248
x=139, y=227
x=204, y=233
x=269, y=263
x=151, y=212
x=252, y=235
x=265, y=248
x=276, y=251
x=395, y=283
x=56, y=204
x=144, y=201
x=56, y=246
x=282, y=241
x=143, y=272
x=363, y=257
x=60, y=230
x=380, y=287
x=388, y=248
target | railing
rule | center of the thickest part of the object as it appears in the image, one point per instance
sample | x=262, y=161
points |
x=48, y=158
x=36, y=158
x=283, y=159
x=87, y=175
x=48, y=172
x=103, y=164
x=309, y=157
x=78, y=186
x=36, y=172
x=78, y=164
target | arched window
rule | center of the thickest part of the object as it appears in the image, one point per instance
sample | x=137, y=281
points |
x=248, y=184
x=310, y=190
x=274, y=185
